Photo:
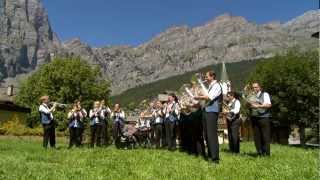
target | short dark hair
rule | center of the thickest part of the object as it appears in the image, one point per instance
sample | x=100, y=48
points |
x=231, y=93
x=212, y=74
x=174, y=96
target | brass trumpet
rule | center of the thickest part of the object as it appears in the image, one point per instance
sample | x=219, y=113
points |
x=60, y=105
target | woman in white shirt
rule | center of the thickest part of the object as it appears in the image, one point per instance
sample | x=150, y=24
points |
x=96, y=117
x=76, y=116
x=118, y=118
x=171, y=112
x=158, y=117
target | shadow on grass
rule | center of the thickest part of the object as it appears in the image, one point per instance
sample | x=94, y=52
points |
x=251, y=154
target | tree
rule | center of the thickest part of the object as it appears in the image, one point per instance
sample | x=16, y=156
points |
x=293, y=82
x=64, y=80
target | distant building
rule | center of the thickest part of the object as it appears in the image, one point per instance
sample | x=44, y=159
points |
x=9, y=110
x=315, y=35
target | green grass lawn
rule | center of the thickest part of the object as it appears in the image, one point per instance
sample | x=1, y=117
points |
x=26, y=159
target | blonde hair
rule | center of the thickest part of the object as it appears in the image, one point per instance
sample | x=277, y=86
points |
x=96, y=102
x=43, y=98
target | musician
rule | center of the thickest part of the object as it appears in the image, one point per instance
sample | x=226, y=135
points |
x=164, y=134
x=260, y=117
x=105, y=110
x=47, y=121
x=158, y=116
x=198, y=146
x=84, y=112
x=96, y=117
x=233, y=122
x=171, y=118
x=212, y=109
x=151, y=109
x=118, y=118
x=143, y=127
x=143, y=122
x=76, y=117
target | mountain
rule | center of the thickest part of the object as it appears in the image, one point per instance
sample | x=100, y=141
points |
x=27, y=41
x=237, y=71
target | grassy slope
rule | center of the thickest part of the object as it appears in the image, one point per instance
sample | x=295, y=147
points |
x=25, y=159
x=237, y=73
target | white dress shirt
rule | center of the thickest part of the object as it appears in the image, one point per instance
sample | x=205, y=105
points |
x=214, y=90
x=93, y=114
x=237, y=105
x=117, y=115
x=45, y=109
x=266, y=97
x=170, y=108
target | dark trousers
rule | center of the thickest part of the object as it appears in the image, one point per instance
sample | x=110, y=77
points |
x=262, y=136
x=96, y=135
x=49, y=135
x=158, y=134
x=210, y=128
x=184, y=121
x=233, y=135
x=187, y=141
x=171, y=134
x=75, y=136
x=117, y=128
x=197, y=135
x=164, y=136
x=104, y=132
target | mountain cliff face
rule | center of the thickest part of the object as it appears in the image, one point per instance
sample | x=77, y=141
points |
x=26, y=36
x=27, y=41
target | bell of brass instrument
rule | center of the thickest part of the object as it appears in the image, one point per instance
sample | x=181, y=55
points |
x=203, y=89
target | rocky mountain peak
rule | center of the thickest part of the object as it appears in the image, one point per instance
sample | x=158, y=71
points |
x=225, y=19
x=27, y=40
x=303, y=25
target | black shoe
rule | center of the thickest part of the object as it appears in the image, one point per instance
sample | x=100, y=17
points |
x=215, y=161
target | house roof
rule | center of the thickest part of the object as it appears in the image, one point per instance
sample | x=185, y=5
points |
x=315, y=35
x=10, y=106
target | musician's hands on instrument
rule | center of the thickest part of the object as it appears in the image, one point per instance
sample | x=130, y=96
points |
x=54, y=105
x=255, y=105
x=204, y=97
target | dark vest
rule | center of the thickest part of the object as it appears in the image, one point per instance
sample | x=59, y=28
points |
x=75, y=120
x=215, y=104
x=232, y=116
x=93, y=119
x=172, y=115
x=261, y=112
x=45, y=118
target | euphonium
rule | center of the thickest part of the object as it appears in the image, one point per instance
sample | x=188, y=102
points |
x=204, y=90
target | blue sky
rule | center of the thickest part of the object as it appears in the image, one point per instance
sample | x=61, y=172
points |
x=132, y=22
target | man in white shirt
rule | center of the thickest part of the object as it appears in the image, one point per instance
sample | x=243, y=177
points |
x=260, y=118
x=233, y=122
x=214, y=97
x=47, y=121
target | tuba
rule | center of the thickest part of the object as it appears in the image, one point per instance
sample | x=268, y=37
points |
x=203, y=89
x=186, y=100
